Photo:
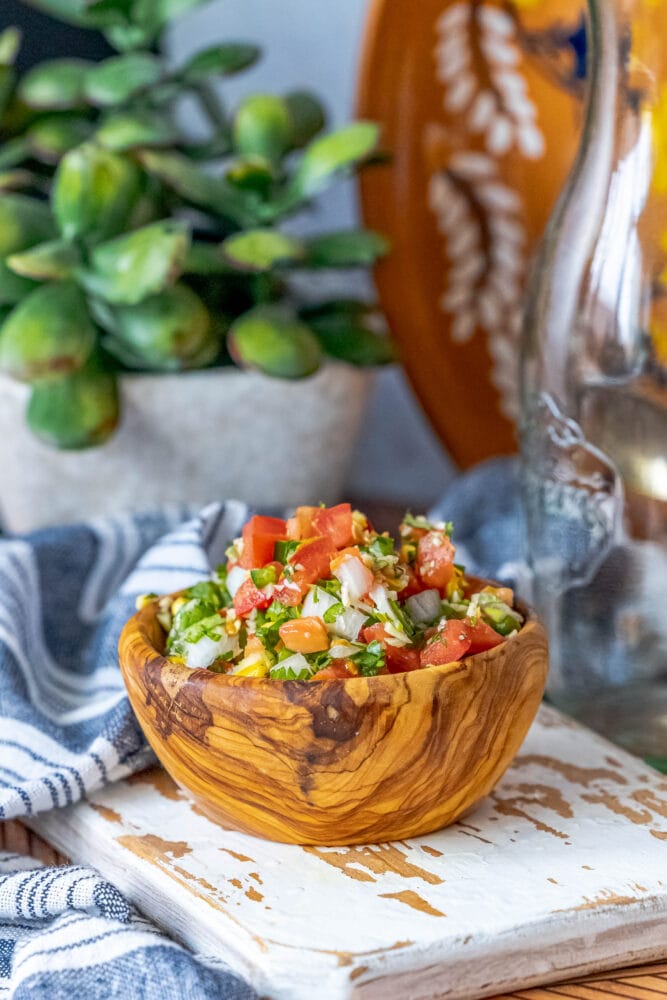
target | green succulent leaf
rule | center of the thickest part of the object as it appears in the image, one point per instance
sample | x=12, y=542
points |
x=17, y=180
x=308, y=117
x=14, y=152
x=351, y=331
x=134, y=266
x=48, y=335
x=199, y=188
x=262, y=249
x=10, y=43
x=72, y=11
x=263, y=127
x=77, y=410
x=24, y=221
x=252, y=173
x=273, y=341
x=46, y=261
x=351, y=248
x=132, y=129
x=120, y=78
x=57, y=85
x=94, y=191
x=154, y=15
x=332, y=154
x=205, y=258
x=171, y=331
x=220, y=60
x=54, y=135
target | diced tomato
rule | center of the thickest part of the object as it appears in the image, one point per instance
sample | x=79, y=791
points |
x=400, y=659
x=259, y=537
x=337, y=670
x=300, y=526
x=248, y=596
x=304, y=635
x=482, y=637
x=374, y=633
x=311, y=562
x=335, y=523
x=261, y=525
x=447, y=645
x=435, y=559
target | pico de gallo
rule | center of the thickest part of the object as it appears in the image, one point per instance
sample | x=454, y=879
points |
x=322, y=595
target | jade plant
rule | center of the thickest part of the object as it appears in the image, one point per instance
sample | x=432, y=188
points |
x=127, y=244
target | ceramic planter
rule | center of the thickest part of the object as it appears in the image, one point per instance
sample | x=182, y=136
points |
x=193, y=438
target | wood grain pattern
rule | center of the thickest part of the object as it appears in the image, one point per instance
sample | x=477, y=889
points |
x=341, y=761
x=645, y=982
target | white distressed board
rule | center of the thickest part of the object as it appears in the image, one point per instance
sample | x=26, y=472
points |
x=562, y=870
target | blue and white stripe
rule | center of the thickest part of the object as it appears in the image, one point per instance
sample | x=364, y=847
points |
x=66, y=728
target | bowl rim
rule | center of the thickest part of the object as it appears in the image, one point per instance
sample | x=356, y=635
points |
x=135, y=631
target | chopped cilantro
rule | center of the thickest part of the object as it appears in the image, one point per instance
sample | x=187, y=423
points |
x=383, y=545
x=421, y=522
x=332, y=587
x=371, y=660
x=332, y=613
x=283, y=550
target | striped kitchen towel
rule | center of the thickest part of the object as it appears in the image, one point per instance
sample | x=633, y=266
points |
x=66, y=728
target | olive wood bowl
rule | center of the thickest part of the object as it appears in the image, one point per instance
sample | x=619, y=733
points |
x=357, y=760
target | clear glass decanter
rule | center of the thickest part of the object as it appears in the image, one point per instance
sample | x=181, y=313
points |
x=594, y=373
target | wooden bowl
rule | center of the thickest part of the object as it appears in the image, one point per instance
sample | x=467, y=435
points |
x=361, y=760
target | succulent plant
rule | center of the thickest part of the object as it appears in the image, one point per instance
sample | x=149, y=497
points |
x=125, y=244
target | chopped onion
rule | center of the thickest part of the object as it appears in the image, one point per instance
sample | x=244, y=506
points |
x=424, y=607
x=380, y=596
x=341, y=650
x=349, y=624
x=236, y=578
x=316, y=602
x=296, y=663
x=354, y=576
x=206, y=651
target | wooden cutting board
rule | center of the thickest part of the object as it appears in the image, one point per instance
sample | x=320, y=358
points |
x=561, y=871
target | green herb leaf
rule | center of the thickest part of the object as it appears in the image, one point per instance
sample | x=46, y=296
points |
x=283, y=550
x=332, y=613
x=371, y=660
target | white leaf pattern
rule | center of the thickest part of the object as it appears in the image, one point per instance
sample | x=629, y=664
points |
x=478, y=61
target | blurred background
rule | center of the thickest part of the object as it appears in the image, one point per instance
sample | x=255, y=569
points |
x=398, y=456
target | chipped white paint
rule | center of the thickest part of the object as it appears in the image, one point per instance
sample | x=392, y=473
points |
x=562, y=870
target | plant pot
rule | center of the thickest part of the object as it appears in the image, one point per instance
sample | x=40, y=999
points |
x=194, y=437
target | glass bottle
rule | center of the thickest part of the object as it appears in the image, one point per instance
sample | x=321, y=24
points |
x=594, y=395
